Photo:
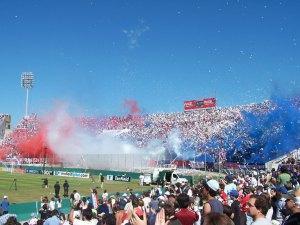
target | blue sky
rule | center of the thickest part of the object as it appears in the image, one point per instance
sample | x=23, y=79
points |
x=93, y=55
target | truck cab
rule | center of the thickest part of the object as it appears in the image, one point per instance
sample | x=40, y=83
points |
x=161, y=176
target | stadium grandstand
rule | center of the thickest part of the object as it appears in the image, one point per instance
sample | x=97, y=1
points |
x=248, y=134
x=5, y=125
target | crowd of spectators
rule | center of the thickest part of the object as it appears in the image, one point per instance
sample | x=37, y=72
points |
x=269, y=197
x=219, y=125
x=196, y=126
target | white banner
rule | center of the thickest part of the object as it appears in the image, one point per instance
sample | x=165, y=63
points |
x=71, y=174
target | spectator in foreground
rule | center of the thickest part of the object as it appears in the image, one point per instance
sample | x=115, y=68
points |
x=53, y=220
x=209, y=192
x=294, y=206
x=217, y=219
x=12, y=220
x=239, y=217
x=5, y=205
x=87, y=217
x=185, y=215
x=45, y=212
x=258, y=208
x=170, y=214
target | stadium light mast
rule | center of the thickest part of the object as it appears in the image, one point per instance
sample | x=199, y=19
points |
x=27, y=80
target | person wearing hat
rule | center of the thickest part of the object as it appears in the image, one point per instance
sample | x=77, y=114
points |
x=5, y=205
x=209, y=192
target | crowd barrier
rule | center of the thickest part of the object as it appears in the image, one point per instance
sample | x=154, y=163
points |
x=24, y=211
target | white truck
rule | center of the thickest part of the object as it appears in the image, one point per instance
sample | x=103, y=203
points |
x=163, y=175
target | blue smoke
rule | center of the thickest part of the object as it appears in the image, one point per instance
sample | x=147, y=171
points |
x=267, y=131
x=186, y=151
x=263, y=136
x=189, y=150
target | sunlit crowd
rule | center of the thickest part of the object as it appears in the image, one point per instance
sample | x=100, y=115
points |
x=256, y=197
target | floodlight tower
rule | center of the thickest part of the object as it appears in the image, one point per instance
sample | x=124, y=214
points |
x=27, y=80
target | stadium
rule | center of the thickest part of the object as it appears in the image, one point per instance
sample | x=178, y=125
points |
x=172, y=150
x=150, y=112
x=245, y=135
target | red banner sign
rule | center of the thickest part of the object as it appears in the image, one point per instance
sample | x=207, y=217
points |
x=200, y=104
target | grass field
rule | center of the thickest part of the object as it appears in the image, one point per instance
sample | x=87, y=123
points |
x=29, y=186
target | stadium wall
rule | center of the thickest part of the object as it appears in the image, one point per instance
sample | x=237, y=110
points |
x=133, y=175
x=118, y=162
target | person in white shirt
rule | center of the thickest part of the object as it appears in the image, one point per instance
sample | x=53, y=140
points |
x=77, y=197
x=104, y=195
x=58, y=205
x=52, y=204
x=44, y=200
x=33, y=220
x=146, y=201
x=258, y=207
x=87, y=218
x=253, y=181
x=141, y=178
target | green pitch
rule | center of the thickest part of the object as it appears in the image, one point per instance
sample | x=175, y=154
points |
x=29, y=186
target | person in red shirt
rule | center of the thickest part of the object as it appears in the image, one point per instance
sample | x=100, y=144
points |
x=247, y=193
x=223, y=195
x=185, y=215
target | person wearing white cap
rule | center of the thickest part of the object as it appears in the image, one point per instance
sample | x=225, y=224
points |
x=5, y=205
x=209, y=191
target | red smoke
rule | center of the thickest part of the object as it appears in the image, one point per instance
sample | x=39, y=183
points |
x=35, y=146
x=3, y=153
x=28, y=141
x=134, y=111
x=132, y=106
